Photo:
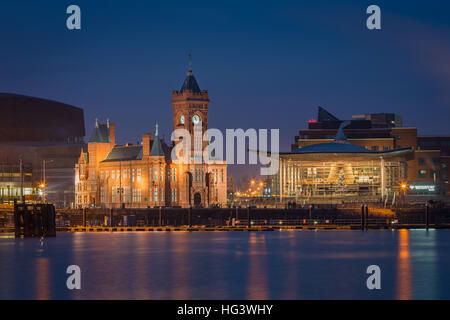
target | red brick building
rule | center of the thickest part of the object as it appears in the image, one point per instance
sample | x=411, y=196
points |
x=140, y=176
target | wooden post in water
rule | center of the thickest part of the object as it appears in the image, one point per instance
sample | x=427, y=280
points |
x=426, y=216
x=160, y=216
x=362, y=217
x=111, y=217
x=84, y=217
x=310, y=213
x=367, y=216
x=190, y=216
x=249, y=224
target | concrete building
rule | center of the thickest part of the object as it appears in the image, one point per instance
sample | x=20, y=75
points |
x=145, y=175
x=48, y=137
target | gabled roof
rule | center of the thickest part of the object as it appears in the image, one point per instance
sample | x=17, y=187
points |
x=100, y=134
x=124, y=153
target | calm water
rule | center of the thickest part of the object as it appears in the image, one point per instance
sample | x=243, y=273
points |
x=415, y=264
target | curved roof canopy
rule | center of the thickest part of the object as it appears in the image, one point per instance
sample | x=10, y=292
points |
x=332, y=147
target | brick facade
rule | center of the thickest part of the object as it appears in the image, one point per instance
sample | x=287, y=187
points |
x=141, y=176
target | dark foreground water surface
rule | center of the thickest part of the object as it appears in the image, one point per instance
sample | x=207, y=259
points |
x=415, y=264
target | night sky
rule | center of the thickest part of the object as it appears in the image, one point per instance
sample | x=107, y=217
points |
x=266, y=64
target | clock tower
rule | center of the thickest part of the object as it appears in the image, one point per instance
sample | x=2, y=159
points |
x=190, y=112
x=190, y=106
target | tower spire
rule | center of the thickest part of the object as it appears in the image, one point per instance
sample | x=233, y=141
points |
x=190, y=62
x=189, y=82
x=157, y=149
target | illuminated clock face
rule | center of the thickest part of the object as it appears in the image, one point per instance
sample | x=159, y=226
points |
x=195, y=119
x=182, y=119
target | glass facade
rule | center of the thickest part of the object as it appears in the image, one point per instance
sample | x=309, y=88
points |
x=306, y=180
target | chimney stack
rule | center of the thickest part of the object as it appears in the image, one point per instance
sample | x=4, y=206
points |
x=112, y=133
x=146, y=141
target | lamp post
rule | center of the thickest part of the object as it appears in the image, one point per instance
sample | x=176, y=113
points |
x=44, y=162
x=404, y=187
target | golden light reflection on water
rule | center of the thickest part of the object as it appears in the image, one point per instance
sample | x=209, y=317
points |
x=181, y=290
x=291, y=284
x=42, y=278
x=257, y=286
x=404, y=272
x=142, y=275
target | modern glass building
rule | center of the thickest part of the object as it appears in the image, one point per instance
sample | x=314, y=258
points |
x=340, y=171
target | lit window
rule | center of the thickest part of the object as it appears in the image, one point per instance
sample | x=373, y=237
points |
x=139, y=175
x=422, y=173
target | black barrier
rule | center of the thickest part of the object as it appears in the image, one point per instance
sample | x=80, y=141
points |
x=37, y=220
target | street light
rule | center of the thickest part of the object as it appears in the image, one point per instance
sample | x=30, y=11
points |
x=404, y=186
x=44, y=185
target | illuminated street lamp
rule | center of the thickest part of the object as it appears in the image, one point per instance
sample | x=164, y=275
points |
x=44, y=185
x=404, y=186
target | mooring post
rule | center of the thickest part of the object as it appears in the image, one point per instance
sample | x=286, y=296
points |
x=367, y=216
x=362, y=217
x=111, y=217
x=237, y=213
x=310, y=213
x=84, y=217
x=160, y=216
x=426, y=216
x=249, y=224
x=190, y=216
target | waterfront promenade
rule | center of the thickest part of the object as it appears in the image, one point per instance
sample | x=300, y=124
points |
x=241, y=219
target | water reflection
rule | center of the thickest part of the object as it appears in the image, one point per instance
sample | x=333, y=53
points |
x=42, y=286
x=404, y=276
x=291, y=287
x=180, y=272
x=219, y=265
x=257, y=286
